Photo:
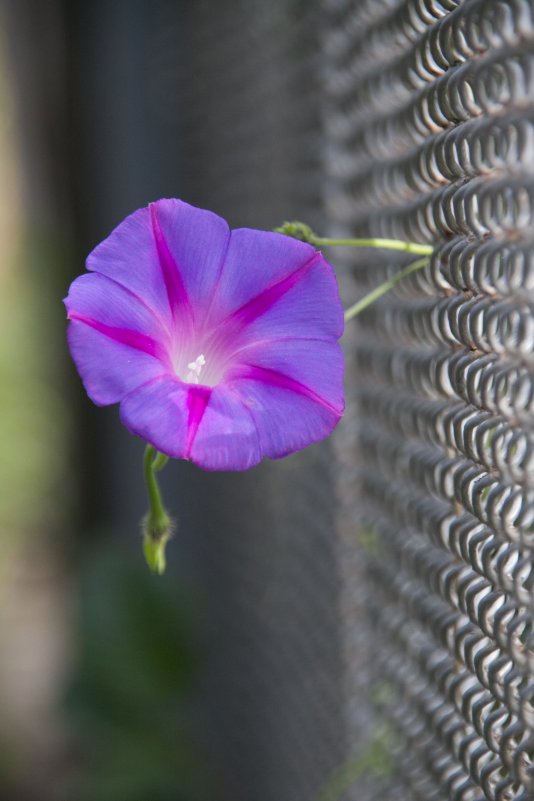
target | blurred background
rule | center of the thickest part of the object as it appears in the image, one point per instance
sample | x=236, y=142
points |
x=115, y=685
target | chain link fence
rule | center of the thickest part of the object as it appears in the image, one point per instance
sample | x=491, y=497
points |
x=430, y=123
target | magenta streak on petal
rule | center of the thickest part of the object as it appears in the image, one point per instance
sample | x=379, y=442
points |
x=258, y=305
x=124, y=336
x=263, y=374
x=275, y=340
x=197, y=401
x=155, y=314
x=176, y=291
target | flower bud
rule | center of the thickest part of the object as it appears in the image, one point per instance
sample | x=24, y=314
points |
x=156, y=535
x=297, y=230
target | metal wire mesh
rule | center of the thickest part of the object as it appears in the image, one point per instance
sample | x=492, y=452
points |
x=430, y=124
x=391, y=577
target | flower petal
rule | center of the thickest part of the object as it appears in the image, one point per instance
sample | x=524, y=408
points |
x=116, y=341
x=315, y=365
x=157, y=412
x=169, y=253
x=210, y=426
x=254, y=263
x=286, y=421
x=301, y=300
x=129, y=256
x=197, y=241
x=109, y=369
x=309, y=309
x=227, y=438
x=290, y=414
x=96, y=297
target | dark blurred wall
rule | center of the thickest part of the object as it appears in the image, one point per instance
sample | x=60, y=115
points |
x=116, y=679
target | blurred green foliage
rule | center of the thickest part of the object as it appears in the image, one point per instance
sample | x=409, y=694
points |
x=34, y=418
x=131, y=697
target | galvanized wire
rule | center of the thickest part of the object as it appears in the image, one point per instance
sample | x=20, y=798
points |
x=431, y=137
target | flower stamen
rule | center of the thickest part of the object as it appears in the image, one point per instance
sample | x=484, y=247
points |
x=195, y=368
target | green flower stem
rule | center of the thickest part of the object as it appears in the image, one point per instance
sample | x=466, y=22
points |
x=387, y=244
x=154, y=462
x=157, y=525
x=299, y=230
x=367, y=300
x=159, y=461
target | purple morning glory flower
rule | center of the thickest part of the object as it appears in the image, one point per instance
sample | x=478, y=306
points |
x=220, y=346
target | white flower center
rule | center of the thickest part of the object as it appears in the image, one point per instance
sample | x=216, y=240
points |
x=195, y=368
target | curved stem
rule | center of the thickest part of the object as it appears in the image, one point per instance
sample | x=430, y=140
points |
x=157, y=526
x=387, y=244
x=157, y=511
x=159, y=461
x=367, y=300
x=299, y=230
